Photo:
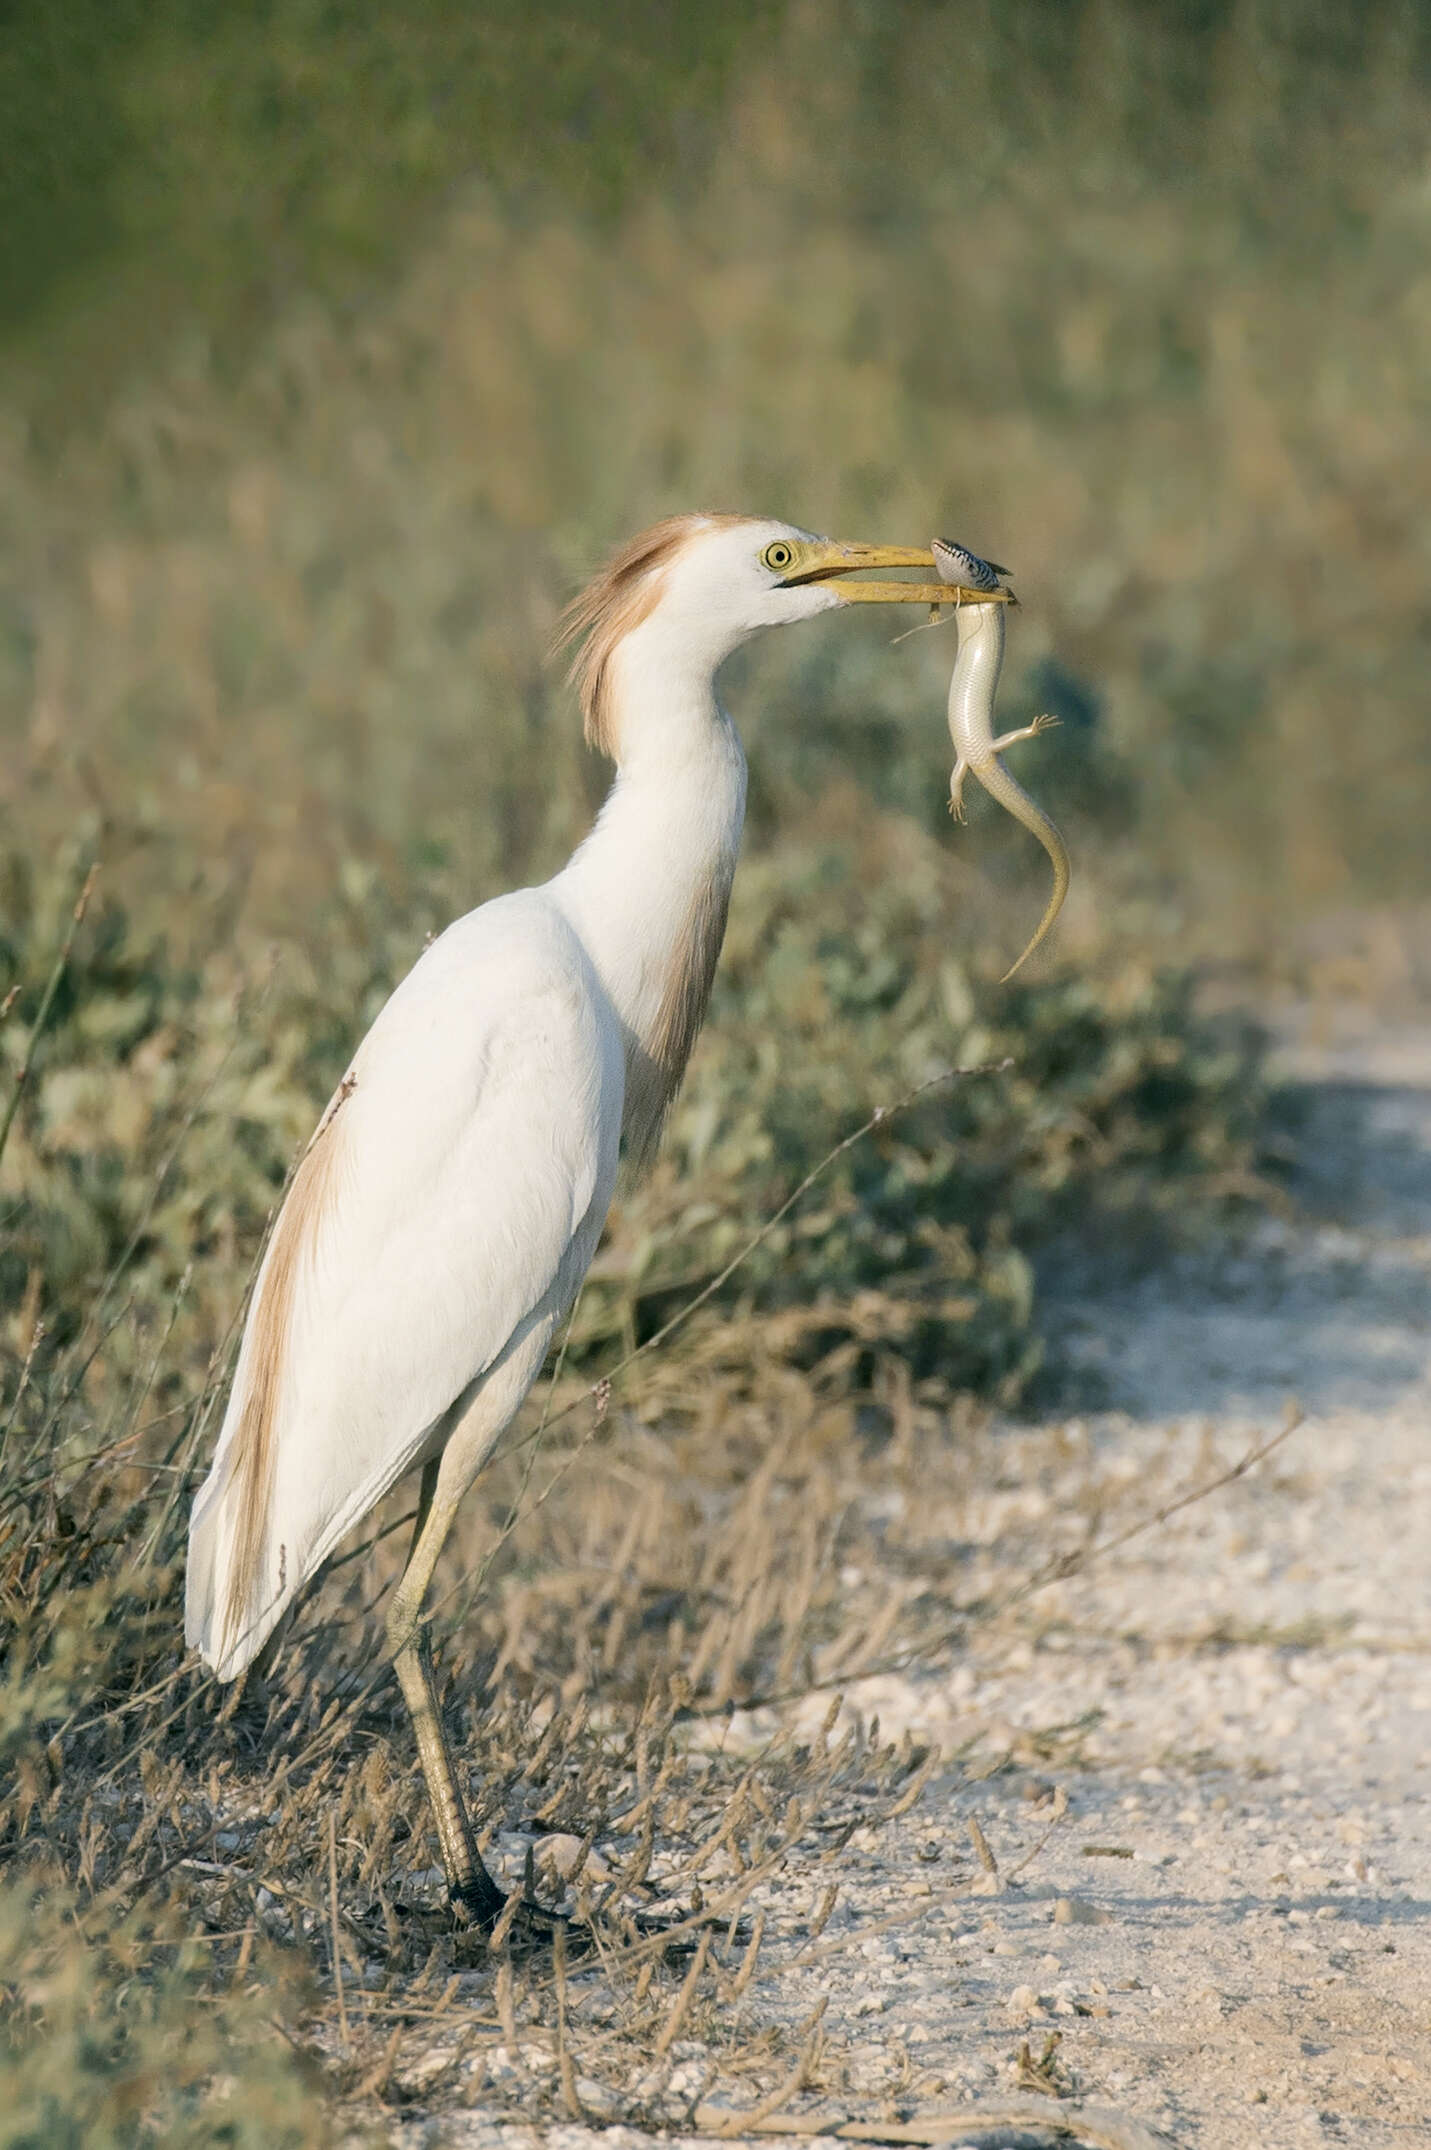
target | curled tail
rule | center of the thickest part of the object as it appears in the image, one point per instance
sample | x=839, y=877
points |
x=1011, y=795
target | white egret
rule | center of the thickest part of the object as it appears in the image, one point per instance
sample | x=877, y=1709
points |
x=443, y=1216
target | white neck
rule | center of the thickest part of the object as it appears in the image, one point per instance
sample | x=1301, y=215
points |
x=648, y=889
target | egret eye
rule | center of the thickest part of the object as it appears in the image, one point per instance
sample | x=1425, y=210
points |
x=779, y=555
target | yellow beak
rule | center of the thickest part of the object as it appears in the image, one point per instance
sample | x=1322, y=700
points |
x=827, y=561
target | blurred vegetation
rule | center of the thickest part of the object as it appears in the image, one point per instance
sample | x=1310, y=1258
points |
x=337, y=342
x=108, y=2041
x=1133, y=297
x=164, y=1103
x=227, y=158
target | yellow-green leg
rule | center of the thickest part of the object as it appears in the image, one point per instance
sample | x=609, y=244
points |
x=471, y=1887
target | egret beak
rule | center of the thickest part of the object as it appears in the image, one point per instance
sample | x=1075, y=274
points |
x=825, y=561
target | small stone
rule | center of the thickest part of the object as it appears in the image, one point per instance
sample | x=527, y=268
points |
x=1023, y=2001
x=424, y=2070
x=1075, y=1911
x=561, y=1852
x=597, y=2099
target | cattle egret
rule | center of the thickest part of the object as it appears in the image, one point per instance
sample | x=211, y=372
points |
x=442, y=1217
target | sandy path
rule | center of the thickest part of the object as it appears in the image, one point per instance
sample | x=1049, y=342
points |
x=1243, y=1958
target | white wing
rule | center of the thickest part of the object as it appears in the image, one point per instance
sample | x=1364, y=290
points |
x=450, y=1201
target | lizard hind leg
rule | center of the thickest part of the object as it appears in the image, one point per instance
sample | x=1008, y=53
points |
x=956, y=789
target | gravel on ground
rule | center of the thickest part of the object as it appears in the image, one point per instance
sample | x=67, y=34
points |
x=1202, y=1898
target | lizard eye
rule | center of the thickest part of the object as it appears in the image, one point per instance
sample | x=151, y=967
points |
x=778, y=556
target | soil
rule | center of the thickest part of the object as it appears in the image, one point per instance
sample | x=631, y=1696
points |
x=1202, y=1895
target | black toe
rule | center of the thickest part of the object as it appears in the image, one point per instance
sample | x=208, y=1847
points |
x=479, y=1902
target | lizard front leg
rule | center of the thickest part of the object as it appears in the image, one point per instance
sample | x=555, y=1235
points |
x=1028, y=731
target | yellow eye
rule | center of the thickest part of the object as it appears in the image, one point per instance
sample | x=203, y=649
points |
x=779, y=555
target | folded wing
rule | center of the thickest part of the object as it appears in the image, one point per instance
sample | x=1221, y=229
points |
x=452, y=1195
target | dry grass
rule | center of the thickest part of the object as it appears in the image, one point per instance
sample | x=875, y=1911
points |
x=745, y=1514
x=267, y=1855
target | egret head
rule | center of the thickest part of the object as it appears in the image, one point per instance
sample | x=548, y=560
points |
x=693, y=588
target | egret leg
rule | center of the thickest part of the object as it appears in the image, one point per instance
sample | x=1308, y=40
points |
x=469, y=1884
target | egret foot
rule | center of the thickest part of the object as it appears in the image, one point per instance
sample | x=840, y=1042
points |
x=478, y=1901
x=523, y=1930
x=528, y=1925
x=526, y=1929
